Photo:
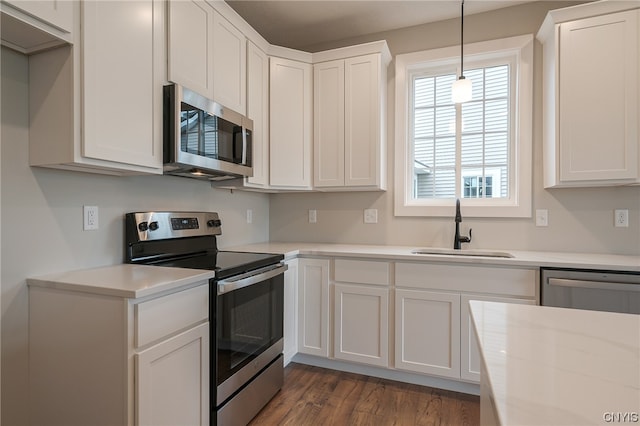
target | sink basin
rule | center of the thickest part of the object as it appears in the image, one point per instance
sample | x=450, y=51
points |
x=470, y=252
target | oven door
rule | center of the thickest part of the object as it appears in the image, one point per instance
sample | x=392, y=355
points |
x=249, y=330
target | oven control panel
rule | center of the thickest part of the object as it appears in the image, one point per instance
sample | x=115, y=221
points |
x=146, y=226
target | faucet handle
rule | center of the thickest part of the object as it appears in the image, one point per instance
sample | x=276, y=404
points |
x=464, y=239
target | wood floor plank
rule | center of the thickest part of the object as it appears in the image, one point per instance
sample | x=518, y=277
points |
x=316, y=396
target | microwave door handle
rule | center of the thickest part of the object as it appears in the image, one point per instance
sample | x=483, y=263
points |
x=244, y=146
x=226, y=286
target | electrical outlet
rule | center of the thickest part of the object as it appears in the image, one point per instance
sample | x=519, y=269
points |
x=249, y=216
x=371, y=216
x=313, y=216
x=542, y=217
x=90, y=215
x=621, y=218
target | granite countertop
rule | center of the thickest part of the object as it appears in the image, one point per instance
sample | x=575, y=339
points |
x=555, y=366
x=127, y=281
x=403, y=253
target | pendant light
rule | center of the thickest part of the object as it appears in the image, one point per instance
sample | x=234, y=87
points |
x=461, y=88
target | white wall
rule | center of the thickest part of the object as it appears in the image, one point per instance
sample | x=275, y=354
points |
x=580, y=220
x=41, y=223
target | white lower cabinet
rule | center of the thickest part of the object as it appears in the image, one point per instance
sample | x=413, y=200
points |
x=313, y=307
x=290, y=319
x=428, y=332
x=173, y=380
x=361, y=324
x=106, y=360
x=469, y=352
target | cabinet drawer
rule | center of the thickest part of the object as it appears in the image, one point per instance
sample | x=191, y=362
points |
x=361, y=271
x=468, y=279
x=165, y=315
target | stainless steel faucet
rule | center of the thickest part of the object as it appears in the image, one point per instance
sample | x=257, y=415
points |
x=457, y=239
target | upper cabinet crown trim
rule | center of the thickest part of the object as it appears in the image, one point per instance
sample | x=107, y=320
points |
x=357, y=50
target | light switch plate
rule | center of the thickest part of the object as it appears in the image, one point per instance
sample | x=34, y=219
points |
x=313, y=216
x=542, y=217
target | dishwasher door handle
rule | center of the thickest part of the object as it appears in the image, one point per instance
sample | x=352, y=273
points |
x=596, y=285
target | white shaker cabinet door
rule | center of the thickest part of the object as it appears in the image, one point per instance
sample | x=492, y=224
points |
x=190, y=49
x=173, y=380
x=361, y=321
x=428, y=332
x=290, y=111
x=258, y=111
x=122, y=81
x=598, y=98
x=313, y=307
x=229, y=65
x=328, y=124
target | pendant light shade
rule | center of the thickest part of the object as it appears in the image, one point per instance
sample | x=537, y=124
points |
x=461, y=89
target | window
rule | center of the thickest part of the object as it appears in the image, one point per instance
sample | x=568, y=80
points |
x=479, y=151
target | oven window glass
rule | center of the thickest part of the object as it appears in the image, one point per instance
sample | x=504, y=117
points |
x=210, y=136
x=248, y=321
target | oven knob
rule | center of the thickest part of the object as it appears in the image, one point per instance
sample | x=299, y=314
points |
x=143, y=226
x=214, y=222
x=153, y=226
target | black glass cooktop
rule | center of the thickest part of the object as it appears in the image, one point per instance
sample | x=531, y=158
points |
x=225, y=263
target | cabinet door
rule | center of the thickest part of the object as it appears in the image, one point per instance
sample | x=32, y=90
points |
x=428, y=332
x=290, y=311
x=363, y=106
x=598, y=110
x=190, y=50
x=230, y=65
x=361, y=321
x=313, y=307
x=258, y=111
x=328, y=124
x=469, y=352
x=172, y=386
x=122, y=81
x=53, y=12
x=290, y=105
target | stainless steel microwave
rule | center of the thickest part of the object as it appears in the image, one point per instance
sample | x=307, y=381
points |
x=203, y=139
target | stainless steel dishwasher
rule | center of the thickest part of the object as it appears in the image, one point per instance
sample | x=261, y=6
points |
x=609, y=291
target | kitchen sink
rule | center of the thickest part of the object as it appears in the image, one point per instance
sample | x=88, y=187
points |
x=470, y=252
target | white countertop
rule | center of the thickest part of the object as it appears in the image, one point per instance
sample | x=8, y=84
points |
x=127, y=281
x=555, y=366
x=521, y=258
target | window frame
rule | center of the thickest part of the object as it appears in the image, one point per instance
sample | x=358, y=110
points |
x=519, y=203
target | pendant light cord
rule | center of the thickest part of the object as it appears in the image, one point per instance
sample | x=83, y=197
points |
x=462, y=40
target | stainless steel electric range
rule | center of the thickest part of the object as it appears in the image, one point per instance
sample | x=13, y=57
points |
x=245, y=311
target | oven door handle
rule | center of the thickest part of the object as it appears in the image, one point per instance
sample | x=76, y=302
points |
x=597, y=285
x=225, y=286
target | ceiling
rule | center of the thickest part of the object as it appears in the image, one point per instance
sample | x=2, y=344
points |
x=301, y=23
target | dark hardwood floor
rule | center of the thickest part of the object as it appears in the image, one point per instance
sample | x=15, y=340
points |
x=317, y=396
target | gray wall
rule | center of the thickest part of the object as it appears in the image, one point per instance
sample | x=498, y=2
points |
x=580, y=220
x=42, y=223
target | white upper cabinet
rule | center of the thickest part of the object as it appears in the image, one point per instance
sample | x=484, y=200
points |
x=121, y=102
x=591, y=95
x=350, y=118
x=290, y=111
x=230, y=65
x=190, y=45
x=97, y=106
x=258, y=111
x=54, y=12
